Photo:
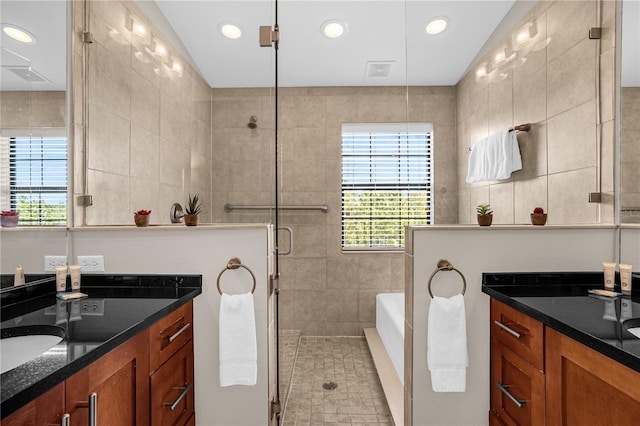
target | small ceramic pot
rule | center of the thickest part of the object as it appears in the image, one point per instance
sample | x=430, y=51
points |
x=191, y=219
x=141, y=219
x=485, y=220
x=538, y=218
x=9, y=221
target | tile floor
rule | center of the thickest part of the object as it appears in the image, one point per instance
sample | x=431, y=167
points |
x=358, y=399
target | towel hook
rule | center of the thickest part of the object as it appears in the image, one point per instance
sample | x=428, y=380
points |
x=444, y=265
x=235, y=263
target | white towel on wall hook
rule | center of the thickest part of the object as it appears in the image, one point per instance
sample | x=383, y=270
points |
x=238, y=346
x=447, y=356
x=494, y=157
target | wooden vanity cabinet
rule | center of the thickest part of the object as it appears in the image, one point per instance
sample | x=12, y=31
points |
x=147, y=380
x=517, y=360
x=585, y=387
x=576, y=386
x=47, y=409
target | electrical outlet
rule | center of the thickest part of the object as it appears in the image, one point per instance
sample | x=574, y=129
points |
x=51, y=262
x=92, y=306
x=91, y=263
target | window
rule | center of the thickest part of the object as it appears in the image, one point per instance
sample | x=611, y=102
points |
x=386, y=183
x=38, y=179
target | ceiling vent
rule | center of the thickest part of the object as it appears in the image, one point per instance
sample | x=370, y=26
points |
x=27, y=74
x=378, y=69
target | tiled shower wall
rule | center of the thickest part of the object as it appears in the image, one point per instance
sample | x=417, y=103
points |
x=630, y=190
x=549, y=81
x=148, y=140
x=324, y=291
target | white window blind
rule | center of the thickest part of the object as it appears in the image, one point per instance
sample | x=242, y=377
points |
x=386, y=183
x=38, y=180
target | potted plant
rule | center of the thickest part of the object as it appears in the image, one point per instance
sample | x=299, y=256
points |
x=142, y=217
x=538, y=217
x=192, y=210
x=485, y=214
x=9, y=218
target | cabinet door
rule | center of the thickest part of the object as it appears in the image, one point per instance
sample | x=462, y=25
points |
x=172, y=399
x=585, y=387
x=120, y=381
x=45, y=410
x=517, y=388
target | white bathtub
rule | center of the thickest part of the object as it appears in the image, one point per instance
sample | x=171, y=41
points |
x=390, y=326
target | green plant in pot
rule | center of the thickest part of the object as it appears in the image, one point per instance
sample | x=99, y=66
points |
x=192, y=210
x=485, y=214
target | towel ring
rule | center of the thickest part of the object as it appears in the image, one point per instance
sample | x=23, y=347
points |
x=444, y=265
x=235, y=263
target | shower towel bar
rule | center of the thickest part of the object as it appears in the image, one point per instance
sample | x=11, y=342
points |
x=235, y=263
x=444, y=265
x=229, y=207
x=519, y=128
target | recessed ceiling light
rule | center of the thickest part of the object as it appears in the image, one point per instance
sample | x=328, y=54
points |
x=333, y=28
x=19, y=34
x=229, y=30
x=436, y=25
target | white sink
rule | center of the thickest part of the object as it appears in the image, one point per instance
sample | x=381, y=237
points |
x=635, y=331
x=18, y=345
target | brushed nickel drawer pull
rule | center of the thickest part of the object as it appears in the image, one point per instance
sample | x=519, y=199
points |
x=185, y=389
x=504, y=389
x=507, y=329
x=179, y=332
x=65, y=420
x=92, y=406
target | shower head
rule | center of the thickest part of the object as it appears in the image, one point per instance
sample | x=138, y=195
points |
x=253, y=122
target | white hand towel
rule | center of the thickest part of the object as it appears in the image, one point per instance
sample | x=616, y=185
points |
x=494, y=157
x=238, y=347
x=447, y=356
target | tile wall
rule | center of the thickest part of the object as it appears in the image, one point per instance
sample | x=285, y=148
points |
x=630, y=110
x=548, y=79
x=44, y=109
x=144, y=141
x=324, y=291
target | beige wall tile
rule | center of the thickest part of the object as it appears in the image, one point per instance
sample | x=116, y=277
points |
x=572, y=139
x=502, y=202
x=529, y=98
x=109, y=82
x=145, y=154
x=109, y=142
x=145, y=103
x=310, y=306
x=529, y=194
x=110, y=202
x=569, y=197
x=533, y=152
x=48, y=109
x=568, y=24
x=570, y=78
x=342, y=305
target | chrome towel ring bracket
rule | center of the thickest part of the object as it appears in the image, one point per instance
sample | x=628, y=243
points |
x=444, y=265
x=235, y=263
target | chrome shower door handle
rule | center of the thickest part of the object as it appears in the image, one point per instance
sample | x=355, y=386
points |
x=290, y=232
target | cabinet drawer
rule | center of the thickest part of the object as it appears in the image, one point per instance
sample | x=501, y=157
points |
x=518, y=332
x=169, y=334
x=494, y=420
x=517, y=388
x=172, y=390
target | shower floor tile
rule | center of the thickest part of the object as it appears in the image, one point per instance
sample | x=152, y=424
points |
x=358, y=398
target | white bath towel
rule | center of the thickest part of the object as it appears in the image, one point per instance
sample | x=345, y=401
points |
x=238, y=347
x=447, y=356
x=494, y=157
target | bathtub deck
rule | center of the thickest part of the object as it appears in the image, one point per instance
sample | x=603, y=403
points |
x=393, y=389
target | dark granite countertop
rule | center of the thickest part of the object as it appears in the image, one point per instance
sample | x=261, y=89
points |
x=562, y=302
x=118, y=307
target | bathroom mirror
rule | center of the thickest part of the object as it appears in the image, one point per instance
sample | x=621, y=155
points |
x=33, y=150
x=630, y=110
